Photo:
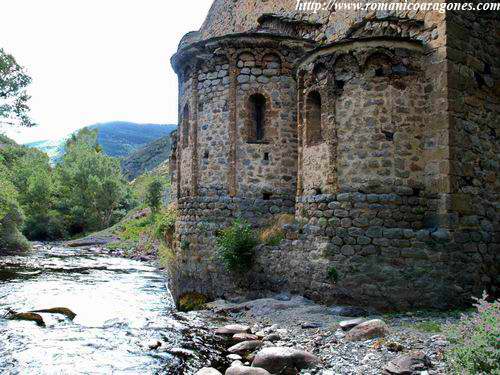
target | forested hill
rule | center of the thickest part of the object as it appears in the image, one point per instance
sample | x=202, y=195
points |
x=117, y=138
x=146, y=158
x=120, y=138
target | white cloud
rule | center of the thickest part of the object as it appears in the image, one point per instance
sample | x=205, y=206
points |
x=97, y=60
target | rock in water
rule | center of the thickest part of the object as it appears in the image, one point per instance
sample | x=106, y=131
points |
x=245, y=346
x=208, y=371
x=58, y=310
x=413, y=363
x=281, y=360
x=232, y=329
x=368, y=330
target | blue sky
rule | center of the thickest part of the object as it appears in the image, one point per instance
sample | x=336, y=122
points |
x=97, y=60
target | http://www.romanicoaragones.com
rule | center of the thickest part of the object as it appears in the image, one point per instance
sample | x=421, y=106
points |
x=316, y=6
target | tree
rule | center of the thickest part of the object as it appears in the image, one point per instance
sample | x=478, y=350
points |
x=91, y=191
x=11, y=216
x=154, y=195
x=13, y=96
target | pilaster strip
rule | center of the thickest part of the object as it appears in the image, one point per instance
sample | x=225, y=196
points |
x=231, y=177
x=194, y=135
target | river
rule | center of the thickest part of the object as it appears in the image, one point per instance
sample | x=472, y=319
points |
x=122, y=307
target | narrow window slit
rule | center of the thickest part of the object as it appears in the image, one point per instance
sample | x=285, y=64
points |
x=389, y=136
x=257, y=107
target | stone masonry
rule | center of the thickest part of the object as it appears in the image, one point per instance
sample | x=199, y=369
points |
x=378, y=131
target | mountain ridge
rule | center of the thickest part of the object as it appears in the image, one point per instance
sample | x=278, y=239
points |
x=117, y=138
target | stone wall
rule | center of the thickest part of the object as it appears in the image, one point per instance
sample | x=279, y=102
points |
x=377, y=130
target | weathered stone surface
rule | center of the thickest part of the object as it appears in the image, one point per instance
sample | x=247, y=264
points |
x=282, y=360
x=232, y=329
x=408, y=364
x=244, y=337
x=348, y=324
x=377, y=153
x=245, y=346
x=368, y=330
x=272, y=337
x=239, y=369
x=208, y=371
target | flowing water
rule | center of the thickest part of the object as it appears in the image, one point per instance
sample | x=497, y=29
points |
x=122, y=306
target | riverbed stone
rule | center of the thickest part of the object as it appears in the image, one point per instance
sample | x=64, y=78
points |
x=281, y=360
x=245, y=346
x=408, y=364
x=232, y=329
x=238, y=369
x=368, y=330
x=239, y=337
x=208, y=371
x=348, y=324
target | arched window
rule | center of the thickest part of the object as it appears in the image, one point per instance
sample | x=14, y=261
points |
x=313, y=118
x=185, y=126
x=257, y=111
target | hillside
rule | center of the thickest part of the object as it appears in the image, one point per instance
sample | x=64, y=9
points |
x=120, y=138
x=117, y=138
x=146, y=158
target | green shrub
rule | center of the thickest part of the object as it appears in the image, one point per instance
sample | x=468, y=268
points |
x=475, y=340
x=236, y=245
x=333, y=274
x=165, y=223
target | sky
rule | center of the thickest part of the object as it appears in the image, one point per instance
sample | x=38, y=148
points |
x=97, y=60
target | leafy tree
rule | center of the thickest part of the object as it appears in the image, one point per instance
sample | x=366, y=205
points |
x=154, y=195
x=91, y=191
x=11, y=216
x=13, y=96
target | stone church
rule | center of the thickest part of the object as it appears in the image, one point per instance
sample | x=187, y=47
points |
x=377, y=130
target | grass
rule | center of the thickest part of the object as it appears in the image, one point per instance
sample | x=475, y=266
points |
x=165, y=255
x=274, y=233
x=427, y=326
x=333, y=274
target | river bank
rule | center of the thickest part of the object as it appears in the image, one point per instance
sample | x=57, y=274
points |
x=412, y=343
x=409, y=344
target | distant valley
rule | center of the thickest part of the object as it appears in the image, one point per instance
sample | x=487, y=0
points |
x=142, y=146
